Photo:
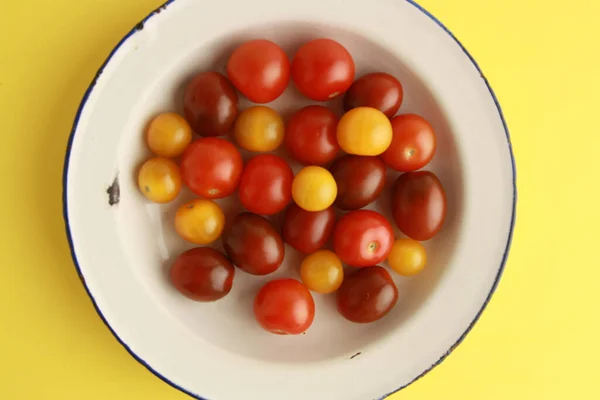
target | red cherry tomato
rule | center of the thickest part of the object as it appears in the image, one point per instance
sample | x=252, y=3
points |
x=260, y=70
x=212, y=167
x=307, y=231
x=363, y=238
x=378, y=90
x=322, y=69
x=284, y=307
x=360, y=180
x=367, y=295
x=311, y=137
x=419, y=204
x=413, y=143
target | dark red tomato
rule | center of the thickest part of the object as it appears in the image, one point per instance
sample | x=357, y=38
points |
x=360, y=180
x=210, y=104
x=266, y=184
x=310, y=135
x=378, y=90
x=367, y=295
x=307, y=231
x=363, y=238
x=419, y=204
x=253, y=244
x=413, y=143
x=284, y=307
x=260, y=70
x=202, y=274
x=322, y=69
x=212, y=167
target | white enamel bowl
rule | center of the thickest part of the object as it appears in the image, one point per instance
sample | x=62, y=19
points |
x=217, y=351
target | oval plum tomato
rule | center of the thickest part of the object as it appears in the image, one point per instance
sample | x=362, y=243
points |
x=259, y=128
x=200, y=221
x=413, y=144
x=168, y=135
x=367, y=295
x=284, y=307
x=364, y=131
x=314, y=188
x=408, y=257
x=419, y=204
x=322, y=272
x=266, y=184
x=202, y=274
x=322, y=69
x=253, y=244
x=212, y=167
x=363, y=238
x=378, y=90
x=360, y=180
x=260, y=70
x=307, y=231
x=210, y=104
x=310, y=135
x=159, y=180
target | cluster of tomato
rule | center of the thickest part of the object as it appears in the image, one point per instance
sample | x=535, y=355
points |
x=370, y=135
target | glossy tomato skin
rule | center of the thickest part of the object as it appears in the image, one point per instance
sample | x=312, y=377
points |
x=367, y=295
x=310, y=135
x=284, y=307
x=413, y=143
x=212, y=167
x=360, y=180
x=266, y=185
x=253, y=244
x=419, y=204
x=363, y=238
x=202, y=274
x=322, y=69
x=307, y=231
x=378, y=90
x=260, y=70
x=210, y=104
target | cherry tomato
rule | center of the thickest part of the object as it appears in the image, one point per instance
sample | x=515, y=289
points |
x=266, y=185
x=364, y=131
x=314, y=189
x=253, y=244
x=378, y=90
x=200, y=221
x=322, y=272
x=413, y=144
x=310, y=135
x=212, y=167
x=159, y=180
x=284, y=307
x=408, y=257
x=367, y=295
x=202, y=274
x=360, y=180
x=307, y=231
x=363, y=238
x=419, y=204
x=168, y=135
x=322, y=69
x=260, y=70
x=210, y=104
x=259, y=128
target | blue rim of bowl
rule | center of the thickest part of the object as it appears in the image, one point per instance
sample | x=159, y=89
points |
x=139, y=27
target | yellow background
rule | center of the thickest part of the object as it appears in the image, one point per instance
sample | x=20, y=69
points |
x=537, y=339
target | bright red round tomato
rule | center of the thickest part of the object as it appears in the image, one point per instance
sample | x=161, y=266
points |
x=212, y=167
x=284, y=307
x=363, y=238
x=307, y=231
x=378, y=90
x=260, y=70
x=413, y=143
x=266, y=184
x=310, y=135
x=322, y=69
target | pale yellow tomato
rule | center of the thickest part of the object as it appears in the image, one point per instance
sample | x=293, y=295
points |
x=314, y=189
x=200, y=221
x=168, y=135
x=364, y=131
x=159, y=180
x=259, y=128
x=322, y=272
x=408, y=257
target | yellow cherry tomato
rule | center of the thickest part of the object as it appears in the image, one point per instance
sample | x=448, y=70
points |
x=200, y=221
x=259, y=128
x=408, y=257
x=168, y=135
x=322, y=272
x=159, y=180
x=364, y=131
x=314, y=189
